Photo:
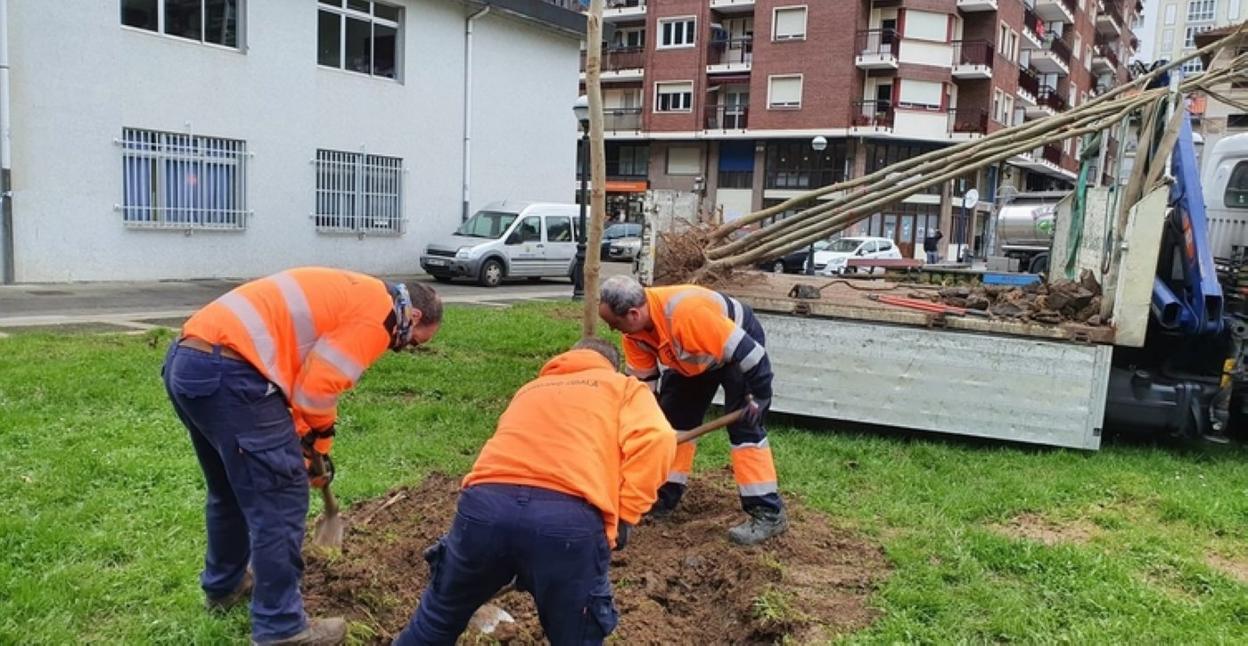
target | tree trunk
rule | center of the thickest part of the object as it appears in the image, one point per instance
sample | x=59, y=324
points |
x=598, y=169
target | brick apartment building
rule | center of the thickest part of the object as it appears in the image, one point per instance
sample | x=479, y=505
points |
x=724, y=97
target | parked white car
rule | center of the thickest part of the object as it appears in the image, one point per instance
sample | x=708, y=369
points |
x=834, y=259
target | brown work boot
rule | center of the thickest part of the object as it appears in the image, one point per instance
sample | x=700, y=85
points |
x=320, y=632
x=239, y=595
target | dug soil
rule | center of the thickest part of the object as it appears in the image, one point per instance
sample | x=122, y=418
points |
x=678, y=582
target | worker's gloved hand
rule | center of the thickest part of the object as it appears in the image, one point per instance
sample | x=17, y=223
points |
x=624, y=531
x=755, y=410
x=319, y=465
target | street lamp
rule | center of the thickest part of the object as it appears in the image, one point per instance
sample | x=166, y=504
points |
x=820, y=144
x=581, y=109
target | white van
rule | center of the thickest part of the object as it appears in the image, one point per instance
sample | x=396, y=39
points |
x=505, y=240
x=1225, y=186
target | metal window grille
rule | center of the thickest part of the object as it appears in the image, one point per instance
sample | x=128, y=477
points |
x=358, y=193
x=183, y=181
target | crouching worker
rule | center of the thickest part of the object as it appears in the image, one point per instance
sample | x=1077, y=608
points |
x=577, y=458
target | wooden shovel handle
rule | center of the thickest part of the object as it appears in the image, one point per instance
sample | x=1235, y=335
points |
x=331, y=503
x=715, y=424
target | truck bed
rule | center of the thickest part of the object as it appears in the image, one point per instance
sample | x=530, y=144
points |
x=848, y=299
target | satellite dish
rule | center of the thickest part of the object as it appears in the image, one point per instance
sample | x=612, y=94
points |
x=970, y=199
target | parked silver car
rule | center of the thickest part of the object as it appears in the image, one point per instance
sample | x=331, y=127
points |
x=504, y=240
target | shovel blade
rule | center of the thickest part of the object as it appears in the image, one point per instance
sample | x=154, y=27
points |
x=328, y=531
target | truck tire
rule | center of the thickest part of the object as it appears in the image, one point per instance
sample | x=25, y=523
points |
x=491, y=273
x=1039, y=264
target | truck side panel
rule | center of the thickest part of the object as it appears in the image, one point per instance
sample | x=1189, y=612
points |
x=1006, y=388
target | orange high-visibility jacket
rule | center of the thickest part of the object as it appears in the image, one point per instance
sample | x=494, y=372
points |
x=311, y=331
x=695, y=330
x=583, y=429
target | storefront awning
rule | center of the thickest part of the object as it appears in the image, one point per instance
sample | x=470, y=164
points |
x=626, y=186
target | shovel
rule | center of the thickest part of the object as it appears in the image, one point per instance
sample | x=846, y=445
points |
x=329, y=527
x=713, y=425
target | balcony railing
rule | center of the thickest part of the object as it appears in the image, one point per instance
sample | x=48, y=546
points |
x=622, y=4
x=1028, y=81
x=733, y=51
x=1051, y=98
x=615, y=59
x=617, y=119
x=972, y=52
x=868, y=114
x=727, y=117
x=878, y=41
x=1053, y=154
x=968, y=120
x=1107, y=51
x=1072, y=6
x=1033, y=22
x=1111, y=8
x=1059, y=47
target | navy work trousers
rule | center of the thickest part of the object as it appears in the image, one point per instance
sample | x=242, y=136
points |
x=253, y=466
x=553, y=545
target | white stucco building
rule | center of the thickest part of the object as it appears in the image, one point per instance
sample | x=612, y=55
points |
x=158, y=139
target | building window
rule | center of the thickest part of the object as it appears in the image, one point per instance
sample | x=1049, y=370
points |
x=182, y=181
x=1237, y=121
x=684, y=160
x=1236, y=196
x=677, y=32
x=794, y=165
x=206, y=21
x=627, y=161
x=358, y=193
x=1002, y=40
x=359, y=36
x=921, y=95
x=927, y=25
x=784, y=92
x=998, y=104
x=736, y=179
x=1201, y=10
x=673, y=97
x=1194, y=66
x=1189, y=37
x=1007, y=110
x=789, y=23
x=1172, y=14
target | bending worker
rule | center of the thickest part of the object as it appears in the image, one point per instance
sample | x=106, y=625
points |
x=704, y=339
x=255, y=378
x=577, y=458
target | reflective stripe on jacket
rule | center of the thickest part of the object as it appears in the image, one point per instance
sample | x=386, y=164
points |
x=696, y=330
x=312, y=331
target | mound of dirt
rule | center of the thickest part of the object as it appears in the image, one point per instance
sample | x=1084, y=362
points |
x=1057, y=302
x=679, y=581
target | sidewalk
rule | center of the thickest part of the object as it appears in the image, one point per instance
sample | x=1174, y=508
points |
x=144, y=305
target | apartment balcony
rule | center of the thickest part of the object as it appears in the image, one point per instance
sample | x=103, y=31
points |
x=620, y=64
x=968, y=123
x=1033, y=28
x=972, y=59
x=977, y=5
x=1104, y=59
x=1048, y=103
x=733, y=6
x=730, y=56
x=727, y=117
x=868, y=116
x=621, y=120
x=1057, y=10
x=1109, y=18
x=1053, y=58
x=1028, y=86
x=1052, y=153
x=877, y=49
x=623, y=10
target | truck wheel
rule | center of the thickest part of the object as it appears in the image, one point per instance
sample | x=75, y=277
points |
x=778, y=267
x=1039, y=264
x=491, y=273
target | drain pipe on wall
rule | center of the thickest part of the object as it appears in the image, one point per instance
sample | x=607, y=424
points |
x=467, y=108
x=6, y=155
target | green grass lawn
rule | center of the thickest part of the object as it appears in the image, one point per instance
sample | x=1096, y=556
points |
x=101, y=528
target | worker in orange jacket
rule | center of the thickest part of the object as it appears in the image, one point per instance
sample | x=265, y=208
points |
x=255, y=377
x=703, y=340
x=576, y=460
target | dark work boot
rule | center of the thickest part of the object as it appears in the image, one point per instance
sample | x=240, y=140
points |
x=762, y=525
x=320, y=632
x=239, y=595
